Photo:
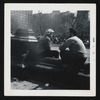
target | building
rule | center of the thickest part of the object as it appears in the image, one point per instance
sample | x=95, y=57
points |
x=83, y=15
x=20, y=19
x=55, y=12
x=83, y=24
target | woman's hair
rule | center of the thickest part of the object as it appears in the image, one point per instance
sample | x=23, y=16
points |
x=48, y=32
x=73, y=31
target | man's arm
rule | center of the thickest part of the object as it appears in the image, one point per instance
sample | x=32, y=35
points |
x=65, y=45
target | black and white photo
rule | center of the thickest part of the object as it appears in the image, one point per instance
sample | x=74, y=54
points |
x=50, y=49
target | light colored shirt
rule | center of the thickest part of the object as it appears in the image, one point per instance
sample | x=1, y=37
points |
x=75, y=45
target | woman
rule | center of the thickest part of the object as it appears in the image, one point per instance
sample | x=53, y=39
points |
x=43, y=47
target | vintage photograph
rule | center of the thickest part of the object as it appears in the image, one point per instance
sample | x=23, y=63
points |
x=50, y=47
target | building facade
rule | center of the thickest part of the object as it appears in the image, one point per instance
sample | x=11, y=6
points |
x=20, y=19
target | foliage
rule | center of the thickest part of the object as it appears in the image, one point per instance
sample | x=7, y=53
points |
x=61, y=22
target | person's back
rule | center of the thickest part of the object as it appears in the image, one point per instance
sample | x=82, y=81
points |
x=43, y=45
x=76, y=45
x=73, y=51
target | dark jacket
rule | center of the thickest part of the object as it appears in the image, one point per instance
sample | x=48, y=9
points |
x=43, y=46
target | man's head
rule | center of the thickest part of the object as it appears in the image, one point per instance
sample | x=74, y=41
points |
x=72, y=32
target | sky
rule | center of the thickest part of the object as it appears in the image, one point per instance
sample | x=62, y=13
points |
x=48, y=8
x=50, y=11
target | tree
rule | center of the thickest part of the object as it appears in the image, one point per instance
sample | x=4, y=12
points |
x=60, y=23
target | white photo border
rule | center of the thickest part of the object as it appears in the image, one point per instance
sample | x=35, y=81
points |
x=7, y=33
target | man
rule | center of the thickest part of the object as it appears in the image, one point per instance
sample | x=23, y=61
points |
x=73, y=51
x=43, y=47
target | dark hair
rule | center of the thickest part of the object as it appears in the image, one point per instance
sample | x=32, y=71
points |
x=73, y=31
